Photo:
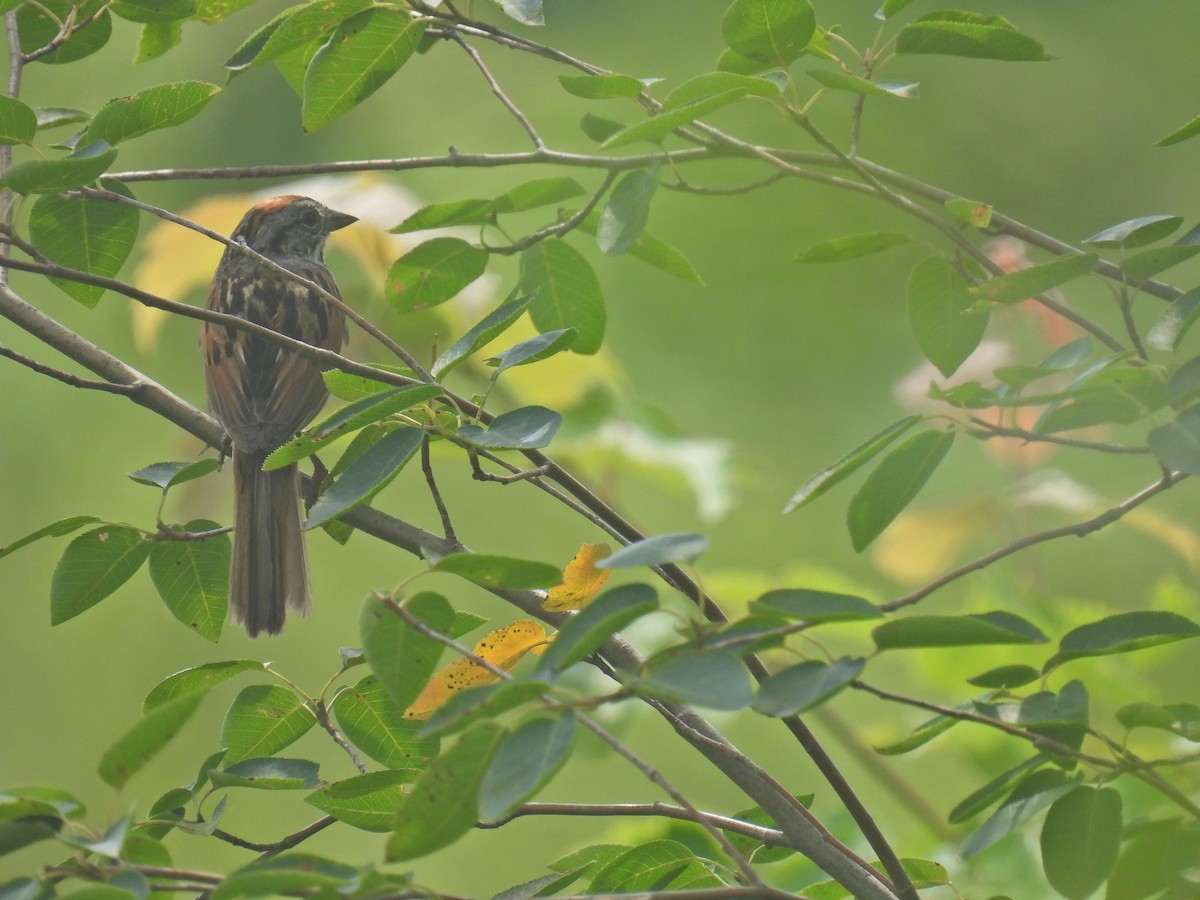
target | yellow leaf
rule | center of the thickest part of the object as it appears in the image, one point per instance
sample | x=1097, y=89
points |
x=503, y=648
x=581, y=580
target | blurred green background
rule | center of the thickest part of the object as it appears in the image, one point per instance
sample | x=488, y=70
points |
x=791, y=366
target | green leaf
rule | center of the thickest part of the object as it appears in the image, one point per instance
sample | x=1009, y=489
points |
x=601, y=87
x=1174, y=324
x=1182, y=719
x=849, y=464
x=270, y=774
x=894, y=483
x=373, y=723
x=983, y=797
x=656, y=129
x=598, y=128
x=854, y=246
x=263, y=719
x=445, y=215
x=954, y=33
x=567, y=293
x=362, y=53
x=372, y=408
x=294, y=28
x=84, y=233
x=401, y=657
x=433, y=272
x=38, y=26
x=1123, y=633
x=366, y=801
x=1176, y=445
x=169, y=474
x=815, y=606
x=807, y=685
x=920, y=736
x=524, y=763
x=499, y=571
x=532, y=349
x=658, y=866
x=353, y=388
x=192, y=578
x=18, y=123
x=713, y=84
x=1006, y=677
x=941, y=311
x=197, y=680
x=161, y=106
x=769, y=31
x=698, y=676
x=157, y=38
x=676, y=546
x=289, y=874
x=1145, y=264
x=1025, y=283
x=891, y=7
x=1190, y=130
x=1136, y=232
x=526, y=428
x=483, y=333
x=57, y=116
x=443, y=804
x=652, y=251
x=154, y=11
x=582, y=634
x=956, y=631
x=537, y=193
x=366, y=476
x=1033, y=794
x=54, y=529
x=1156, y=855
x=93, y=566
x=628, y=208
x=49, y=176
x=1081, y=838
x=843, y=81
x=142, y=743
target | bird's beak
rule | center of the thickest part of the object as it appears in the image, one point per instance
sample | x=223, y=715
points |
x=335, y=220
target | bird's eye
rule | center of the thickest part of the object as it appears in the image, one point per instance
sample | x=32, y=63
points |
x=310, y=218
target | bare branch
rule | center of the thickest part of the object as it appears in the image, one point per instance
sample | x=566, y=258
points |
x=521, y=118
x=1079, y=529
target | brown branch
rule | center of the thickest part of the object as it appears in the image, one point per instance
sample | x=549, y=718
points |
x=66, y=377
x=273, y=847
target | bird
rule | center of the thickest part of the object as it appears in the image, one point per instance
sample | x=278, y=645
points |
x=264, y=393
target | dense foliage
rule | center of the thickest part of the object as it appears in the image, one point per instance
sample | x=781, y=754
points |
x=443, y=738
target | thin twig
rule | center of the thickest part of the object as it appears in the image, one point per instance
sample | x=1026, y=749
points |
x=1079, y=529
x=443, y=513
x=321, y=712
x=66, y=377
x=990, y=429
x=273, y=847
x=771, y=837
x=521, y=118
x=558, y=229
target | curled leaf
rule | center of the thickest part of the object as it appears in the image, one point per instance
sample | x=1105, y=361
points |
x=581, y=580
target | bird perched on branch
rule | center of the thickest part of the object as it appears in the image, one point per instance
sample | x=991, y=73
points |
x=264, y=393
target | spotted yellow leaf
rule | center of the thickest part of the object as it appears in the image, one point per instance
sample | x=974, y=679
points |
x=581, y=580
x=503, y=648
